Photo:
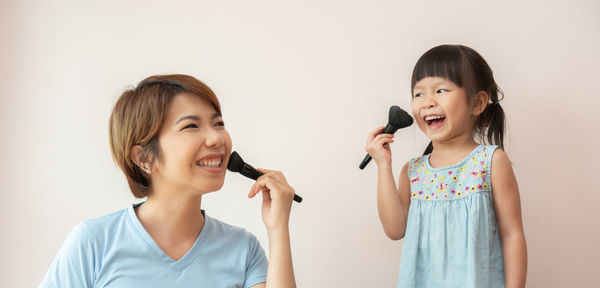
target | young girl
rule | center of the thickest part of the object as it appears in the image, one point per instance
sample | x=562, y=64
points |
x=168, y=136
x=458, y=205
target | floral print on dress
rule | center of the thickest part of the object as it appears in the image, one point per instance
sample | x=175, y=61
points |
x=471, y=175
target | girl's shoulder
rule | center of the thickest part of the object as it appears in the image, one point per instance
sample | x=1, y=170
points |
x=481, y=155
x=417, y=161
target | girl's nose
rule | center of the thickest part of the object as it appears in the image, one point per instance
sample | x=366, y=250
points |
x=429, y=102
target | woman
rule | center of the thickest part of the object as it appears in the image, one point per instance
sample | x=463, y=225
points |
x=168, y=137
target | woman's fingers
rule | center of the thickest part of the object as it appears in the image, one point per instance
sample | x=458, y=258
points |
x=277, y=175
x=277, y=197
x=274, y=183
x=253, y=190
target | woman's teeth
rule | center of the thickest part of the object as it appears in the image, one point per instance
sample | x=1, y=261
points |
x=210, y=164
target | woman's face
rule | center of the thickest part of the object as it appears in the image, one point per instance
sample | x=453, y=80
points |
x=194, y=147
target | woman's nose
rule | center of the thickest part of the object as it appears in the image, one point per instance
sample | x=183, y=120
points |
x=214, y=138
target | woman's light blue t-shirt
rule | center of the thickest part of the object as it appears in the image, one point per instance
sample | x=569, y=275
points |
x=116, y=251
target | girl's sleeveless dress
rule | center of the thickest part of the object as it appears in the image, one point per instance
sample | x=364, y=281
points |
x=452, y=237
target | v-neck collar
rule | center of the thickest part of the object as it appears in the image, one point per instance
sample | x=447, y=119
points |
x=184, y=261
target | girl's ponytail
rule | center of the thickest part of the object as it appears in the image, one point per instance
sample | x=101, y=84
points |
x=496, y=126
x=429, y=149
x=490, y=125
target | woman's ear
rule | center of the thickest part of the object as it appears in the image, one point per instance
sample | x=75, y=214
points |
x=140, y=158
x=480, y=101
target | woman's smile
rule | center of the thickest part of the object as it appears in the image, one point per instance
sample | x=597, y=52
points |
x=213, y=163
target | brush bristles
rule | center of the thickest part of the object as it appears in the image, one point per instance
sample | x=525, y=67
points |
x=399, y=118
x=236, y=163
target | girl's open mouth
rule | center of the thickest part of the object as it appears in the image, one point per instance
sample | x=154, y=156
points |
x=434, y=121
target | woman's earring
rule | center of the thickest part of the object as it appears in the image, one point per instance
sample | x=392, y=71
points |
x=147, y=169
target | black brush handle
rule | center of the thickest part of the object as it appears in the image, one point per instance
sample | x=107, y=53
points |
x=252, y=173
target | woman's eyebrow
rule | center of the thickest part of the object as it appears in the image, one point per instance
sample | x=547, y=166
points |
x=197, y=118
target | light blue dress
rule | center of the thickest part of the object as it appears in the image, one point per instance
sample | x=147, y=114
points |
x=452, y=237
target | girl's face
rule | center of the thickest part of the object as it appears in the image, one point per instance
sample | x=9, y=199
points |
x=441, y=109
x=194, y=147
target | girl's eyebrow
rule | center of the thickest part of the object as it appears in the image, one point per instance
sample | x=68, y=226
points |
x=197, y=118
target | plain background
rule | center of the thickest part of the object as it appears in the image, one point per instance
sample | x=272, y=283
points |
x=301, y=84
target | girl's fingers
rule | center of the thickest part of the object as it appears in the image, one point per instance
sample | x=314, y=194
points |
x=383, y=136
x=380, y=140
x=374, y=133
x=380, y=136
x=384, y=140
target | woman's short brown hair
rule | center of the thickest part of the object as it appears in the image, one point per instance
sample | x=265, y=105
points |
x=138, y=116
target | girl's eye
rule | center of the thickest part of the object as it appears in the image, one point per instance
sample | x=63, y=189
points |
x=418, y=95
x=220, y=123
x=442, y=91
x=190, y=126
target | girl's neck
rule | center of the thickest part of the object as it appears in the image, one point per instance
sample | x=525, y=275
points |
x=449, y=152
x=171, y=215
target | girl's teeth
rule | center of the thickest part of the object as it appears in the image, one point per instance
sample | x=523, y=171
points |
x=433, y=118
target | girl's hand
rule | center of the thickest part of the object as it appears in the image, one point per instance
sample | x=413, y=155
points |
x=277, y=198
x=378, y=146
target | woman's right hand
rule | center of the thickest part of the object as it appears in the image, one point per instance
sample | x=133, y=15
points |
x=277, y=197
x=378, y=146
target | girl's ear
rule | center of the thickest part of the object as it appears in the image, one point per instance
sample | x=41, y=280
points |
x=480, y=101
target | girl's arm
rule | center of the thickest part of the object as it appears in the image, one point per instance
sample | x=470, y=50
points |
x=392, y=202
x=508, y=211
x=277, y=197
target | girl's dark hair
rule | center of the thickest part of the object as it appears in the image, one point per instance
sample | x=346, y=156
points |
x=466, y=68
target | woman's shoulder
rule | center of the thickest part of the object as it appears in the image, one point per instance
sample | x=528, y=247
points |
x=98, y=231
x=221, y=228
x=110, y=221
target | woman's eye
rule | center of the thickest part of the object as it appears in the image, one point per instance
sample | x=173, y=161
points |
x=442, y=91
x=190, y=126
x=220, y=123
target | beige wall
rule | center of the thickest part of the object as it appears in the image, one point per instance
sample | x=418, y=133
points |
x=301, y=84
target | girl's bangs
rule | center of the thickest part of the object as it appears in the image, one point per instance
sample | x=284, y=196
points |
x=444, y=61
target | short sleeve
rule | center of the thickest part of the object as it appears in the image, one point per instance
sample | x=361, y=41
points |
x=73, y=266
x=257, y=265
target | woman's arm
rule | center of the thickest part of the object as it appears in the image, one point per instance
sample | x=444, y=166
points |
x=277, y=202
x=392, y=202
x=508, y=211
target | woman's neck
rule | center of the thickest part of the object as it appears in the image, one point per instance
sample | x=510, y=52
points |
x=171, y=216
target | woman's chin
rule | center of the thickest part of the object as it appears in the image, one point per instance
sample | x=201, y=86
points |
x=211, y=187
